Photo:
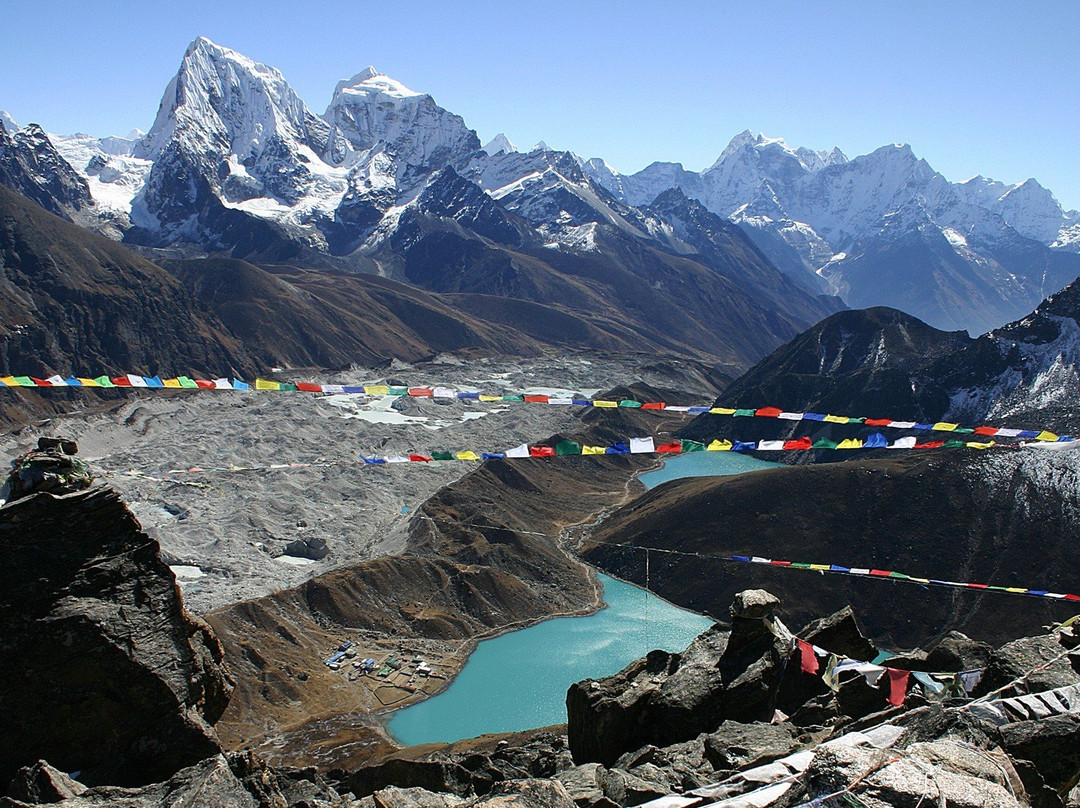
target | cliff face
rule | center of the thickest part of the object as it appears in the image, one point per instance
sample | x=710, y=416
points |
x=1009, y=519
x=102, y=671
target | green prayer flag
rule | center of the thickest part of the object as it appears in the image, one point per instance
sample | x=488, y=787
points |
x=441, y=456
x=398, y=391
x=692, y=446
x=954, y=444
x=513, y=398
x=626, y=402
x=567, y=447
x=288, y=387
x=188, y=383
x=747, y=413
x=965, y=429
x=829, y=676
x=104, y=381
x=25, y=381
x=823, y=443
x=799, y=565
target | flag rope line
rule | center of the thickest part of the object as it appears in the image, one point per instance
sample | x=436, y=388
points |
x=132, y=381
x=864, y=572
x=860, y=572
x=573, y=449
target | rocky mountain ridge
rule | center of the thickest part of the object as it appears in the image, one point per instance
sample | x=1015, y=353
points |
x=236, y=162
x=881, y=362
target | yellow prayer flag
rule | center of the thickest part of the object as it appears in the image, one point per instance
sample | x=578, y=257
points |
x=722, y=411
x=1015, y=589
x=263, y=384
x=605, y=403
x=171, y=383
x=593, y=450
x=88, y=382
x=1048, y=436
x=944, y=426
x=9, y=381
x=467, y=455
x=719, y=446
x=377, y=389
x=836, y=419
x=850, y=443
x=490, y=398
x=973, y=445
x=819, y=566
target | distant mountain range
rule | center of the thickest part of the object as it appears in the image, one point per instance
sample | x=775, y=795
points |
x=387, y=182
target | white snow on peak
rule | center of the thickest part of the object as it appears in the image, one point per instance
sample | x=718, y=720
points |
x=9, y=123
x=500, y=143
x=371, y=82
x=222, y=99
x=540, y=146
x=371, y=109
x=809, y=159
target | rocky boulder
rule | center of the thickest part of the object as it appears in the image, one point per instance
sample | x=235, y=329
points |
x=102, y=671
x=668, y=698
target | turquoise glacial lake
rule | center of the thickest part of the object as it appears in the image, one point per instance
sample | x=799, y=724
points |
x=519, y=681
x=704, y=464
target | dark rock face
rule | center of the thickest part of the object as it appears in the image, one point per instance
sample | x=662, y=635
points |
x=124, y=685
x=668, y=698
x=30, y=165
x=1020, y=657
x=866, y=359
x=737, y=746
x=860, y=513
x=1051, y=744
x=73, y=301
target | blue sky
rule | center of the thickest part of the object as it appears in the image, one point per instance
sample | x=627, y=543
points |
x=988, y=87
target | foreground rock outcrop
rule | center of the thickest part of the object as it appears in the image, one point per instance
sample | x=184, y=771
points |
x=102, y=671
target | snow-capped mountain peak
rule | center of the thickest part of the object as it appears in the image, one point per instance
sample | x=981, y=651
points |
x=499, y=143
x=221, y=99
x=370, y=82
x=8, y=123
x=372, y=109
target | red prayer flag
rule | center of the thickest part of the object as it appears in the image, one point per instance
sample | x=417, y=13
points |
x=541, y=451
x=780, y=563
x=121, y=381
x=877, y=422
x=674, y=447
x=881, y=573
x=40, y=382
x=419, y=458
x=653, y=405
x=808, y=660
x=768, y=412
x=898, y=681
x=536, y=399
x=798, y=444
x=987, y=431
x=1072, y=597
x=420, y=392
x=933, y=444
x=203, y=384
x=308, y=387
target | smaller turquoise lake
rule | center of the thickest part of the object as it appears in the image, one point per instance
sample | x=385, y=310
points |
x=519, y=681
x=704, y=464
